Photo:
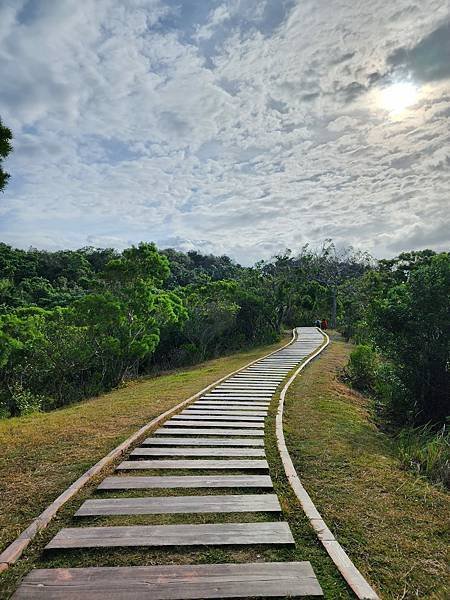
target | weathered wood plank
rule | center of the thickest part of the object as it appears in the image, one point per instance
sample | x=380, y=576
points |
x=205, y=422
x=205, y=451
x=207, y=431
x=217, y=534
x=235, y=401
x=186, y=441
x=225, y=405
x=185, y=482
x=242, y=464
x=180, y=505
x=224, y=413
x=237, y=397
x=172, y=582
x=243, y=389
x=210, y=416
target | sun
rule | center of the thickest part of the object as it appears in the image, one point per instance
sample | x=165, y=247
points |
x=398, y=96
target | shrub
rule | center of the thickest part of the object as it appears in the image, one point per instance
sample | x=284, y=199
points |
x=362, y=368
x=426, y=452
x=23, y=402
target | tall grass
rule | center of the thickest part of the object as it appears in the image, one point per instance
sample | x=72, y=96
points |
x=426, y=452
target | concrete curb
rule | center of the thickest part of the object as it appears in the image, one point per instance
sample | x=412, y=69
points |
x=351, y=574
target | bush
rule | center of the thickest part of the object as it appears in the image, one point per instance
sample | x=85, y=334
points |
x=23, y=402
x=361, y=369
x=426, y=452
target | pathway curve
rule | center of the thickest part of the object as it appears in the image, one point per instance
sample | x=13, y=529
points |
x=215, y=443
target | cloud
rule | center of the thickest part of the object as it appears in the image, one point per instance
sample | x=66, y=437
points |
x=429, y=60
x=232, y=126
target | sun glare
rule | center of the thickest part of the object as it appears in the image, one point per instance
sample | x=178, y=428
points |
x=398, y=96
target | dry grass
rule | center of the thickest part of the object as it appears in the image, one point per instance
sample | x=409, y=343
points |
x=43, y=453
x=391, y=523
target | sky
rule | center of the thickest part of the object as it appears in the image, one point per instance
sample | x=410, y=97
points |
x=239, y=127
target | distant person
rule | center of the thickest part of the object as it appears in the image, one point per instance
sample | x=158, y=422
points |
x=324, y=324
x=317, y=323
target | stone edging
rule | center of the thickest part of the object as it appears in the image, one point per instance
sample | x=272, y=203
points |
x=351, y=574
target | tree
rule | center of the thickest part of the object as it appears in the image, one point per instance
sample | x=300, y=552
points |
x=410, y=324
x=211, y=314
x=332, y=267
x=5, y=149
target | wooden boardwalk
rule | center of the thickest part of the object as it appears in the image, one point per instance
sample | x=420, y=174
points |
x=220, y=440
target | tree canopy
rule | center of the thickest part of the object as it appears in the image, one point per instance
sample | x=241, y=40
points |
x=5, y=149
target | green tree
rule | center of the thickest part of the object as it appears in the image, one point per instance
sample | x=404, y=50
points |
x=5, y=149
x=212, y=310
x=410, y=325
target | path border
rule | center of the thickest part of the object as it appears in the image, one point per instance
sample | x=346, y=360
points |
x=15, y=549
x=351, y=574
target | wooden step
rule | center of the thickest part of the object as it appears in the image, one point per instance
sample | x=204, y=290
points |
x=224, y=412
x=172, y=582
x=186, y=482
x=208, y=431
x=204, y=451
x=231, y=392
x=244, y=405
x=187, y=422
x=193, y=416
x=180, y=505
x=248, y=404
x=186, y=441
x=217, y=534
x=132, y=465
x=237, y=398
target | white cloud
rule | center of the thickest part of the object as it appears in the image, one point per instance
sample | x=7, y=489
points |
x=247, y=129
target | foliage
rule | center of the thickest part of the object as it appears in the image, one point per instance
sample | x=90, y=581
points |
x=426, y=452
x=74, y=323
x=410, y=325
x=5, y=149
x=361, y=370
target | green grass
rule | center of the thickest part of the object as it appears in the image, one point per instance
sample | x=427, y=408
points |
x=345, y=462
x=391, y=523
x=426, y=452
x=43, y=453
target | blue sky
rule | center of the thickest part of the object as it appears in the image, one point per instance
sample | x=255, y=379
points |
x=230, y=126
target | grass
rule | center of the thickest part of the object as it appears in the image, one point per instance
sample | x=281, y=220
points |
x=311, y=438
x=44, y=453
x=426, y=452
x=391, y=523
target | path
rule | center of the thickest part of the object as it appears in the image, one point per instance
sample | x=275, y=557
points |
x=220, y=437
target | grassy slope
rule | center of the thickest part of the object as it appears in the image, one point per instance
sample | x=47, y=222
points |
x=43, y=453
x=391, y=523
x=135, y=399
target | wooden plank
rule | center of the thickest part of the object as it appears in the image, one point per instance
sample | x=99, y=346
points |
x=210, y=416
x=186, y=422
x=242, y=464
x=204, y=451
x=223, y=413
x=274, y=379
x=186, y=441
x=257, y=395
x=207, y=431
x=217, y=534
x=238, y=397
x=260, y=385
x=172, y=582
x=226, y=404
x=180, y=505
x=132, y=482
